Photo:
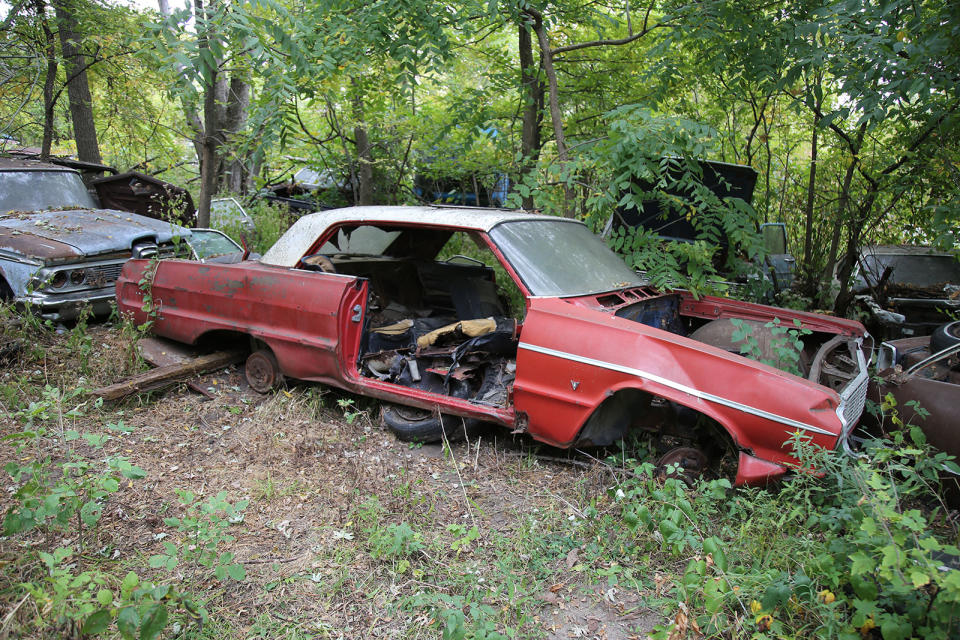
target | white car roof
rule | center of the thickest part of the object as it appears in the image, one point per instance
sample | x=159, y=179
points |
x=293, y=244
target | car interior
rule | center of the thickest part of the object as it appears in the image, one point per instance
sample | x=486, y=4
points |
x=438, y=317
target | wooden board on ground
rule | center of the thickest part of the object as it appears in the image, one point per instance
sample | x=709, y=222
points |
x=169, y=374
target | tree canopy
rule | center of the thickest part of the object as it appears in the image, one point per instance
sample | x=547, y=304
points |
x=848, y=110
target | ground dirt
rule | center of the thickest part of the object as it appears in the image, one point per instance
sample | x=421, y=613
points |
x=323, y=478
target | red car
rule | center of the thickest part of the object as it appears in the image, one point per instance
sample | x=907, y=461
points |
x=456, y=314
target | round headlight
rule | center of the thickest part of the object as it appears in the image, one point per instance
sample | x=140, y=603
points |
x=58, y=280
x=77, y=276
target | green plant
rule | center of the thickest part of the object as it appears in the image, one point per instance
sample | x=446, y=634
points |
x=850, y=549
x=89, y=601
x=79, y=340
x=52, y=492
x=394, y=540
x=145, y=285
x=785, y=343
x=203, y=528
x=350, y=411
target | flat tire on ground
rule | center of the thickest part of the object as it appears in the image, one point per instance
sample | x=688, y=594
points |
x=945, y=336
x=411, y=424
x=262, y=371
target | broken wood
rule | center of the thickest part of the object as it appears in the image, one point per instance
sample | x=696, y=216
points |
x=169, y=374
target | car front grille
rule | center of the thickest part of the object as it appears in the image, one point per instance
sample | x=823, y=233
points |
x=853, y=398
x=106, y=273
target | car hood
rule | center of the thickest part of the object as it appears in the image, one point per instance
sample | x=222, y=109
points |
x=57, y=235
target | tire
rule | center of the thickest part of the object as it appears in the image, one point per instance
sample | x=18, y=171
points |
x=410, y=424
x=262, y=371
x=946, y=335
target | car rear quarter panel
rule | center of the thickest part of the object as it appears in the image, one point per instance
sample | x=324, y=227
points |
x=297, y=313
x=572, y=358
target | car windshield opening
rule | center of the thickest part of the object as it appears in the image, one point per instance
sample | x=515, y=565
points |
x=38, y=190
x=561, y=258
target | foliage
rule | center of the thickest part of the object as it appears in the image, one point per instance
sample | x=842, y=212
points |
x=852, y=549
x=203, y=528
x=51, y=493
x=785, y=344
x=91, y=600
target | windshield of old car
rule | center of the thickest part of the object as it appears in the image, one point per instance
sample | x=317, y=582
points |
x=36, y=190
x=561, y=258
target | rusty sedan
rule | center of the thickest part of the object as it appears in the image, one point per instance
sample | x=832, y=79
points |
x=453, y=315
x=61, y=252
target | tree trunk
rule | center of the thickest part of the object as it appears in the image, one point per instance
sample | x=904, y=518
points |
x=808, y=272
x=50, y=51
x=364, y=155
x=531, y=93
x=563, y=157
x=78, y=89
x=845, y=297
x=842, y=203
x=238, y=101
x=215, y=94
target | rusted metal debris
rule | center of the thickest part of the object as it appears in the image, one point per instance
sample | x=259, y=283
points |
x=169, y=374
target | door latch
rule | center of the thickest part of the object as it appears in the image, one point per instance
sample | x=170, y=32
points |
x=357, y=313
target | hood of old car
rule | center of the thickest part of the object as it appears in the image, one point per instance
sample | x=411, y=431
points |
x=51, y=235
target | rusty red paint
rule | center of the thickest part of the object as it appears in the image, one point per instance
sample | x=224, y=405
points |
x=572, y=353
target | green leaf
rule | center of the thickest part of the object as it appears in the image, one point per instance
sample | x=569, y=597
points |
x=237, y=572
x=712, y=546
x=127, y=622
x=90, y=513
x=157, y=561
x=96, y=623
x=154, y=620
x=105, y=597
x=130, y=582
x=919, y=578
x=895, y=627
x=861, y=563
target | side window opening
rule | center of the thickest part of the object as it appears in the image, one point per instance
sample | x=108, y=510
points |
x=445, y=324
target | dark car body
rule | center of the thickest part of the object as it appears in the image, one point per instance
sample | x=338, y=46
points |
x=674, y=222
x=907, y=290
x=590, y=351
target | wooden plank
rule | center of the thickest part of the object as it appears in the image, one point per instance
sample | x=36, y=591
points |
x=167, y=375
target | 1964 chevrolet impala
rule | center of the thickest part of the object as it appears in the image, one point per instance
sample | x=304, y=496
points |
x=540, y=328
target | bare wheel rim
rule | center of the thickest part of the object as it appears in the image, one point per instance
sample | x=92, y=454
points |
x=692, y=462
x=261, y=371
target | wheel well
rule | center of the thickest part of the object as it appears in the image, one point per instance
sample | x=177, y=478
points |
x=631, y=408
x=6, y=291
x=221, y=338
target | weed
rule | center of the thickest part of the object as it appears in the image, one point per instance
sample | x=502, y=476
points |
x=51, y=494
x=203, y=528
x=785, y=343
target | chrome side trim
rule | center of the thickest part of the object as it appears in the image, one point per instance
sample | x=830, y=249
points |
x=696, y=393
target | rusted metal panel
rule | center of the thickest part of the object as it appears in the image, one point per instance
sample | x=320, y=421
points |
x=29, y=245
x=146, y=195
x=88, y=232
x=758, y=405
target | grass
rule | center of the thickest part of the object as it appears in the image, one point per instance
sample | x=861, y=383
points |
x=350, y=533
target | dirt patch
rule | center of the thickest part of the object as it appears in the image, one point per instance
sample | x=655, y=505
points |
x=327, y=488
